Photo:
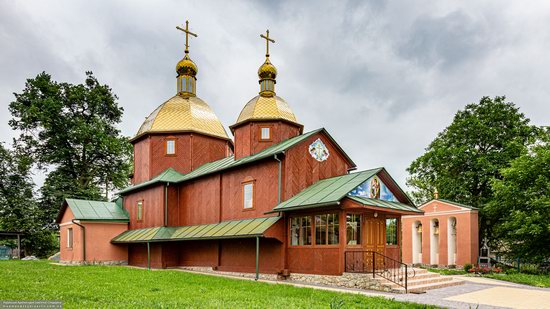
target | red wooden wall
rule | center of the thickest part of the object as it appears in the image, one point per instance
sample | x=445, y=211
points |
x=247, y=136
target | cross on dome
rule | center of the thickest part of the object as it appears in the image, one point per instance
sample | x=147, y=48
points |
x=267, y=40
x=187, y=33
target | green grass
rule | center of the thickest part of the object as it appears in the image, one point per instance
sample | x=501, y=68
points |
x=542, y=281
x=448, y=272
x=123, y=287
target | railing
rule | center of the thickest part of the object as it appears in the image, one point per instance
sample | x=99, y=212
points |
x=375, y=263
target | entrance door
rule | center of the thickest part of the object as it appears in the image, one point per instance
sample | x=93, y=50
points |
x=375, y=238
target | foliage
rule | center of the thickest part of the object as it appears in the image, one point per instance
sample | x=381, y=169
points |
x=485, y=270
x=521, y=205
x=447, y=272
x=85, y=286
x=542, y=281
x=71, y=131
x=467, y=267
x=19, y=211
x=464, y=159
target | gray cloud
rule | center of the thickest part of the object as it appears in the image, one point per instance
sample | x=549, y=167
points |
x=382, y=77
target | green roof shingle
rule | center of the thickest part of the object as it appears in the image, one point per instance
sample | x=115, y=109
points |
x=227, y=229
x=327, y=191
x=385, y=204
x=96, y=210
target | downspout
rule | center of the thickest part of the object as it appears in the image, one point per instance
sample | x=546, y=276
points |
x=166, y=204
x=148, y=256
x=257, y=258
x=83, y=239
x=279, y=178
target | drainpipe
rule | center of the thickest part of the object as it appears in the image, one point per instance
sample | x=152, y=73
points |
x=279, y=177
x=257, y=258
x=83, y=239
x=148, y=256
x=166, y=204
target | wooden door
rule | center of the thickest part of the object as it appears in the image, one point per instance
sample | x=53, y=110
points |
x=375, y=238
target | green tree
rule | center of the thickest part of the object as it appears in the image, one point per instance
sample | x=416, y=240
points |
x=521, y=205
x=71, y=131
x=469, y=154
x=19, y=211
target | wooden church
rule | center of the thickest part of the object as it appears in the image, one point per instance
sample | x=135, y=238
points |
x=273, y=200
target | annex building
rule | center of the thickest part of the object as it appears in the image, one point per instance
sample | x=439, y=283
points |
x=272, y=199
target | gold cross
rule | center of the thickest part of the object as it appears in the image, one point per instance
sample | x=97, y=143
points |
x=187, y=33
x=267, y=40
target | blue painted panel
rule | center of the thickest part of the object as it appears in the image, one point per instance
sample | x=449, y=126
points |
x=374, y=188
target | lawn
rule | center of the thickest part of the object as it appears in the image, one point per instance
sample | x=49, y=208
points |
x=123, y=287
x=542, y=281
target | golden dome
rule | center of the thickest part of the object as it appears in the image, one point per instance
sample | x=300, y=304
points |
x=186, y=66
x=266, y=108
x=183, y=114
x=267, y=70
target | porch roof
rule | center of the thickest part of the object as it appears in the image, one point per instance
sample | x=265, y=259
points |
x=385, y=204
x=327, y=191
x=228, y=229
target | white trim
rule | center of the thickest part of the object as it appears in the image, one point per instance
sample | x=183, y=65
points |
x=92, y=222
x=448, y=204
x=439, y=213
x=66, y=223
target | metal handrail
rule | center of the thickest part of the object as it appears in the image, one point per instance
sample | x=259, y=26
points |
x=363, y=261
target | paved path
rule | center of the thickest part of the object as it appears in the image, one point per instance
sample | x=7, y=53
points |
x=475, y=293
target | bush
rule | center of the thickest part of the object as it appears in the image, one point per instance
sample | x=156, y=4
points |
x=467, y=267
x=485, y=270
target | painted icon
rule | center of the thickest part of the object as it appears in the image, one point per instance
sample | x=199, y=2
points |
x=318, y=150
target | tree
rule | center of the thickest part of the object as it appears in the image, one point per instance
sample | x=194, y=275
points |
x=71, y=131
x=19, y=211
x=521, y=205
x=464, y=159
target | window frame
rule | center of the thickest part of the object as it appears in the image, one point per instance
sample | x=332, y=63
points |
x=170, y=139
x=397, y=240
x=70, y=238
x=270, y=129
x=138, y=217
x=301, y=239
x=244, y=183
x=359, y=232
x=327, y=229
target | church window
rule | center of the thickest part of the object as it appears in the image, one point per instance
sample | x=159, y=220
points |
x=70, y=237
x=391, y=231
x=327, y=229
x=300, y=231
x=248, y=195
x=353, y=229
x=140, y=210
x=170, y=147
x=265, y=133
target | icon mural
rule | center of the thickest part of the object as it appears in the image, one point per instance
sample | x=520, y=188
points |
x=318, y=150
x=374, y=188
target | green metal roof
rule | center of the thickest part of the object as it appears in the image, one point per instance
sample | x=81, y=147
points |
x=327, y=191
x=227, y=229
x=95, y=210
x=385, y=204
x=172, y=176
x=457, y=204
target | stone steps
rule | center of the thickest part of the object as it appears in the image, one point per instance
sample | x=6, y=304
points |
x=422, y=281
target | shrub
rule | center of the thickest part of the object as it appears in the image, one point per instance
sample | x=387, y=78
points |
x=467, y=267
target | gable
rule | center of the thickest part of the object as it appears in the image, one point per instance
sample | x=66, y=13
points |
x=374, y=188
x=443, y=206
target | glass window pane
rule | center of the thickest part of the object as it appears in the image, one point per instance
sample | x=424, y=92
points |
x=248, y=195
x=170, y=147
x=265, y=132
x=353, y=229
x=333, y=233
x=391, y=231
x=294, y=231
x=321, y=230
x=139, y=210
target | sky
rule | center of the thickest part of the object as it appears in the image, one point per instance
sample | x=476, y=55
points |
x=382, y=77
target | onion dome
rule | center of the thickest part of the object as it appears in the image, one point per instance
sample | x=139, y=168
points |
x=267, y=70
x=267, y=108
x=183, y=114
x=186, y=66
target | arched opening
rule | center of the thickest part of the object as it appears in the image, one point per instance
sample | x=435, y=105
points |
x=434, y=242
x=417, y=242
x=451, y=241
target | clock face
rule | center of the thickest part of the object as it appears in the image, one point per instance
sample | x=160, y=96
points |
x=318, y=150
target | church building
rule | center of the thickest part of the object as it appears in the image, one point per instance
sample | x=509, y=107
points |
x=271, y=199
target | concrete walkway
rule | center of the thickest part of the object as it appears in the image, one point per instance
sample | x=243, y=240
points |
x=475, y=293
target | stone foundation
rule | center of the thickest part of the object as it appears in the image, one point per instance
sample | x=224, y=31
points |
x=109, y=263
x=347, y=280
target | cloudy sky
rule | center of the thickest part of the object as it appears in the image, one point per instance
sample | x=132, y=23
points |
x=383, y=77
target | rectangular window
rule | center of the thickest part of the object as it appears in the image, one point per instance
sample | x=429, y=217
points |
x=300, y=231
x=353, y=229
x=265, y=133
x=248, y=195
x=327, y=229
x=140, y=210
x=170, y=147
x=70, y=237
x=391, y=231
